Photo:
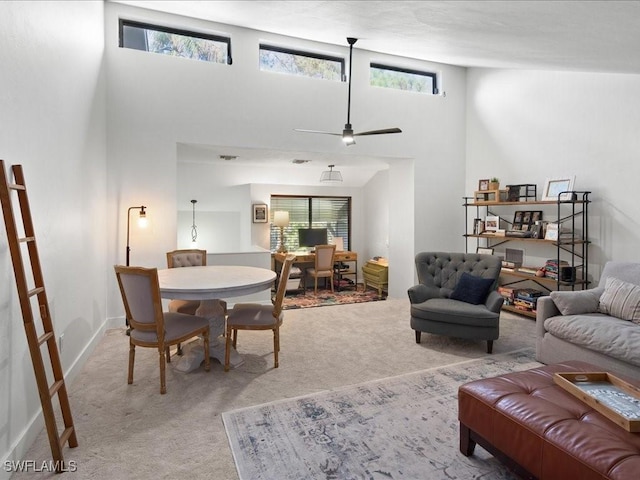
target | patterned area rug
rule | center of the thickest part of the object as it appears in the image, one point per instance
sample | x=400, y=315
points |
x=403, y=427
x=326, y=297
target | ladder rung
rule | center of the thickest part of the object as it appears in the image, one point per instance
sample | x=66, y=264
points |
x=65, y=435
x=15, y=186
x=35, y=291
x=43, y=338
x=27, y=239
x=55, y=387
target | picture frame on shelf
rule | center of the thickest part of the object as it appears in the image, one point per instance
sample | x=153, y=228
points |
x=484, y=251
x=558, y=188
x=492, y=223
x=552, y=232
x=260, y=213
x=483, y=185
x=478, y=226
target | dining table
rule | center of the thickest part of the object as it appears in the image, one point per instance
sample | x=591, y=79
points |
x=209, y=284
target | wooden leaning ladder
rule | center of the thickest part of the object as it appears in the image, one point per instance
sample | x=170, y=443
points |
x=46, y=391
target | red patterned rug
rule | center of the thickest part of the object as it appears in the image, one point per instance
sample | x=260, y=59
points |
x=326, y=297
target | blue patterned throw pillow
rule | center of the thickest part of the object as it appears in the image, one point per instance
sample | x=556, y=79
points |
x=472, y=289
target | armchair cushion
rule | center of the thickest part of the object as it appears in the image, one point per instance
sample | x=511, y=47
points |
x=577, y=302
x=472, y=289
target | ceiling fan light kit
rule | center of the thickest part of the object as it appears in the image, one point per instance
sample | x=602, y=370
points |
x=348, y=136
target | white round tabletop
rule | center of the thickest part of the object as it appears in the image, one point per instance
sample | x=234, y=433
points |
x=213, y=281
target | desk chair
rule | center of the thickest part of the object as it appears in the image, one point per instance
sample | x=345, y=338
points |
x=323, y=265
x=187, y=258
x=150, y=326
x=255, y=316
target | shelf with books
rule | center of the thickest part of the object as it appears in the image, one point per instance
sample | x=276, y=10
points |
x=569, y=242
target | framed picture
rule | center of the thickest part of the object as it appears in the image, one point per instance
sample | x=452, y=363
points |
x=483, y=185
x=260, y=213
x=562, y=186
x=478, y=226
x=552, y=232
x=491, y=223
x=484, y=251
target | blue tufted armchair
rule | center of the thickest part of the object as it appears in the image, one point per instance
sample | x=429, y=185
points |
x=444, y=302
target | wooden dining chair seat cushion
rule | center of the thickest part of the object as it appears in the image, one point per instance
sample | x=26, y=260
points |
x=178, y=327
x=254, y=315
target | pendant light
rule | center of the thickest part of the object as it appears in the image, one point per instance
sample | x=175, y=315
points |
x=331, y=175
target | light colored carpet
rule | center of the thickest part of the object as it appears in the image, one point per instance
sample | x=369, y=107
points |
x=395, y=428
x=131, y=431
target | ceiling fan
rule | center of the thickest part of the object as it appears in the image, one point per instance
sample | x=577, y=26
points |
x=348, y=134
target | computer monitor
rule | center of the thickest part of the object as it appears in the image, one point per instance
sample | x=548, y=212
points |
x=310, y=237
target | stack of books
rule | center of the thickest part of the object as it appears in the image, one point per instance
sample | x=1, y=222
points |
x=526, y=299
x=553, y=267
x=508, y=293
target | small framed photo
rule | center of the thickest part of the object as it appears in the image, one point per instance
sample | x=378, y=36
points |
x=491, y=223
x=558, y=188
x=260, y=213
x=552, y=232
x=484, y=251
x=478, y=226
x=483, y=185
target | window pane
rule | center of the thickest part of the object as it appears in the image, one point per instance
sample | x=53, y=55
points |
x=177, y=43
x=409, y=80
x=332, y=213
x=293, y=62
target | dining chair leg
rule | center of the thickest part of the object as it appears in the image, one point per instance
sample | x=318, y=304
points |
x=207, y=360
x=163, y=382
x=276, y=347
x=227, y=351
x=132, y=357
x=168, y=355
x=315, y=285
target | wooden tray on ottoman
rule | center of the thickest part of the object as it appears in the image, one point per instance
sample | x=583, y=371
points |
x=614, y=398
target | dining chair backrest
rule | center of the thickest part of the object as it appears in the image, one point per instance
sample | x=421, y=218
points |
x=141, y=297
x=324, y=257
x=186, y=258
x=282, y=284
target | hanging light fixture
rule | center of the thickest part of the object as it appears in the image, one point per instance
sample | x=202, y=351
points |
x=194, y=228
x=331, y=176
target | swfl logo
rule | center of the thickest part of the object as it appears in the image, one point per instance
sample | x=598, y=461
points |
x=45, y=466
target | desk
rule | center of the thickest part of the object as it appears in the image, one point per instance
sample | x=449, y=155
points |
x=308, y=257
x=209, y=284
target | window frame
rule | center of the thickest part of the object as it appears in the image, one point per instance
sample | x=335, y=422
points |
x=178, y=31
x=274, y=234
x=411, y=71
x=304, y=53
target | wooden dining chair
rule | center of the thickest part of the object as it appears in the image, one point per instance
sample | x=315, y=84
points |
x=255, y=316
x=185, y=258
x=323, y=265
x=150, y=326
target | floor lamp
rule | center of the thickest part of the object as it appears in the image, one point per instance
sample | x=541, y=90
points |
x=142, y=222
x=281, y=219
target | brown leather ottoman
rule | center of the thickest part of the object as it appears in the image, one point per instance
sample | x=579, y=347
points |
x=541, y=431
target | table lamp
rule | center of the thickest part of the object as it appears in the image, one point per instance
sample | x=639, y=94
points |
x=281, y=219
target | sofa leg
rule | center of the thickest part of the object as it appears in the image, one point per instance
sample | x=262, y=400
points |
x=418, y=336
x=489, y=346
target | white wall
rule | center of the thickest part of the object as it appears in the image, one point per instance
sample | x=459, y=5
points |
x=52, y=99
x=526, y=126
x=157, y=102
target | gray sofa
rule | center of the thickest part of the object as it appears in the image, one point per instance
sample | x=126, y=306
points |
x=579, y=325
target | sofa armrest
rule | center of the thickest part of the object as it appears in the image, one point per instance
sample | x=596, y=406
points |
x=545, y=308
x=494, y=301
x=421, y=293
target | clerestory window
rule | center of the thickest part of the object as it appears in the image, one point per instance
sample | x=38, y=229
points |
x=403, y=79
x=297, y=62
x=175, y=42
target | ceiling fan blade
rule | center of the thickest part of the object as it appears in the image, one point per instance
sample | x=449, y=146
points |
x=379, y=132
x=317, y=131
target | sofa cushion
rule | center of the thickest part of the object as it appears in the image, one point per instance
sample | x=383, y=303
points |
x=621, y=299
x=578, y=301
x=472, y=289
x=602, y=333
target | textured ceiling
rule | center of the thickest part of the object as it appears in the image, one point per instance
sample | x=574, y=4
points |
x=598, y=36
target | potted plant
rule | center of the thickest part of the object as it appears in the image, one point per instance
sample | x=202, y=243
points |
x=494, y=183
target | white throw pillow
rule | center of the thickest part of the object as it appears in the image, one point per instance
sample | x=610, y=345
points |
x=577, y=302
x=621, y=299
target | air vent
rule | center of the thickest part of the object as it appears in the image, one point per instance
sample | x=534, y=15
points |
x=299, y=161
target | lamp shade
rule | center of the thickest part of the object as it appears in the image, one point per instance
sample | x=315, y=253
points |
x=331, y=175
x=281, y=218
